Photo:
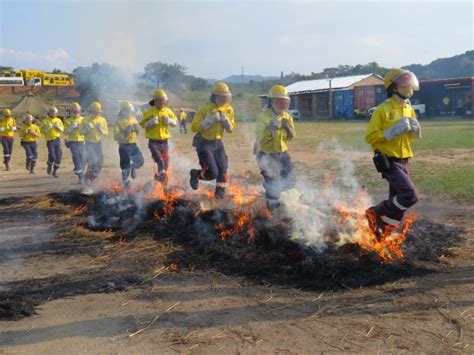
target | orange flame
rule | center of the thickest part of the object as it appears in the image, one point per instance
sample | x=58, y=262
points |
x=174, y=267
x=80, y=209
x=388, y=247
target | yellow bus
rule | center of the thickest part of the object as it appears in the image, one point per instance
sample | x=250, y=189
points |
x=28, y=75
x=57, y=80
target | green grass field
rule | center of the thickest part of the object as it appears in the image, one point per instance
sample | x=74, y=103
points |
x=436, y=134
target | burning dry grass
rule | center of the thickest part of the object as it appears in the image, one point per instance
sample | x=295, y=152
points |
x=160, y=231
x=240, y=236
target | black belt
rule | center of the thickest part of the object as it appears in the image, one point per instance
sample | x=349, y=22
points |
x=159, y=140
x=399, y=160
x=211, y=140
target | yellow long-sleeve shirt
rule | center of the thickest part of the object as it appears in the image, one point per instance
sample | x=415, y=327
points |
x=49, y=130
x=29, y=132
x=387, y=114
x=123, y=132
x=7, y=127
x=93, y=132
x=216, y=130
x=74, y=134
x=276, y=141
x=159, y=131
x=182, y=116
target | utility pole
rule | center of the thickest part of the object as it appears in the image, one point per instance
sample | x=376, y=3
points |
x=330, y=98
x=242, y=76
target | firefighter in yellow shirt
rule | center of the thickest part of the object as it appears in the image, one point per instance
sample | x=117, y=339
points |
x=182, y=121
x=94, y=127
x=209, y=123
x=75, y=140
x=52, y=127
x=392, y=127
x=29, y=132
x=156, y=122
x=274, y=128
x=126, y=134
x=7, y=130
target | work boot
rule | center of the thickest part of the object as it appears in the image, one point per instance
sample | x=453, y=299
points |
x=7, y=166
x=32, y=167
x=27, y=165
x=272, y=204
x=55, y=171
x=125, y=184
x=49, y=169
x=194, y=179
x=220, y=192
x=377, y=225
x=80, y=177
x=161, y=177
x=133, y=173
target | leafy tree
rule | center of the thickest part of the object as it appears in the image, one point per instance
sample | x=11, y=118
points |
x=197, y=84
x=166, y=76
x=5, y=68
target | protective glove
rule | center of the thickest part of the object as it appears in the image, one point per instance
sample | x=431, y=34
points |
x=285, y=124
x=220, y=116
x=136, y=128
x=2, y=129
x=47, y=127
x=127, y=130
x=58, y=126
x=415, y=130
x=14, y=128
x=210, y=120
x=86, y=128
x=152, y=122
x=275, y=124
x=401, y=127
x=101, y=129
x=225, y=121
x=172, y=122
x=168, y=121
x=72, y=127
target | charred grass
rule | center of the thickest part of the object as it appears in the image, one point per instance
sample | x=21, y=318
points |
x=130, y=245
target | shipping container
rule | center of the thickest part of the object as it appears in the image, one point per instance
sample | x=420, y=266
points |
x=343, y=103
x=446, y=97
x=364, y=98
x=380, y=95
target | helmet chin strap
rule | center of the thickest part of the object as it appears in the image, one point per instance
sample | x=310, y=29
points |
x=277, y=111
x=400, y=95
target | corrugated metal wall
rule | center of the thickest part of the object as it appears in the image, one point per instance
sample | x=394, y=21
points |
x=343, y=103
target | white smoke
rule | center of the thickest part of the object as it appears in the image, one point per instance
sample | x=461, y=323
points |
x=314, y=206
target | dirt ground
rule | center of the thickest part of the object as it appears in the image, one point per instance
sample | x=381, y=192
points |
x=92, y=291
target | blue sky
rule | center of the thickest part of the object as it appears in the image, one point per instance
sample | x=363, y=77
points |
x=215, y=39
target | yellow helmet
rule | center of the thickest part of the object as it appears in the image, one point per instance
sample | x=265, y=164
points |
x=53, y=111
x=95, y=106
x=125, y=105
x=28, y=117
x=75, y=106
x=7, y=112
x=221, y=89
x=402, y=77
x=278, y=92
x=160, y=93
